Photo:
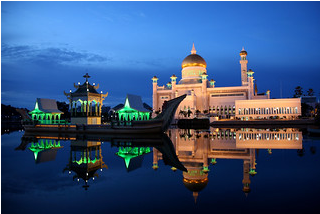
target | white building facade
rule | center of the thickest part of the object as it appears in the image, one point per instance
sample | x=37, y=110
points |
x=273, y=109
x=202, y=95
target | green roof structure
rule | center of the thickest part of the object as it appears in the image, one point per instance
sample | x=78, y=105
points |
x=133, y=109
x=130, y=154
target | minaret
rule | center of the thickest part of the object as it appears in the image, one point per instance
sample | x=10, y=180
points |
x=204, y=87
x=255, y=89
x=251, y=84
x=154, y=94
x=243, y=63
x=268, y=94
x=173, y=88
x=212, y=83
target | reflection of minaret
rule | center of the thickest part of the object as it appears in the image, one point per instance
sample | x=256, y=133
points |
x=252, y=162
x=85, y=160
x=246, y=177
x=155, y=159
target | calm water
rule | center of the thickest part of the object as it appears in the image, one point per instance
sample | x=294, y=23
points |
x=249, y=171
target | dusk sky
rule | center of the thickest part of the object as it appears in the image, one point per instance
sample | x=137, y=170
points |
x=48, y=46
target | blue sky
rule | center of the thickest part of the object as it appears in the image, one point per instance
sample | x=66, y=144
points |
x=48, y=46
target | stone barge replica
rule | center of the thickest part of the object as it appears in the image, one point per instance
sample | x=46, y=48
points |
x=85, y=108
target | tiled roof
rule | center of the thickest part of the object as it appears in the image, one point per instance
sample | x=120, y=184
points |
x=48, y=105
x=83, y=89
x=135, y=102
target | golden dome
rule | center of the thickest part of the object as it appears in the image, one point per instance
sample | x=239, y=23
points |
x=193, y=60
x=195, y=185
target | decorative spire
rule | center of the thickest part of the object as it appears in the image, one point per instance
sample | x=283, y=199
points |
x=195, y=196
x=193, y=51
x=86, y=76
x=243, y=49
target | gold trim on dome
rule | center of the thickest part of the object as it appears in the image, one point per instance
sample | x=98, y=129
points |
x=193, y=64
x=190, y=181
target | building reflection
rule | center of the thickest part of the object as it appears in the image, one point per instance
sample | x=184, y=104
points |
x=132, y=156
x=193, y=152
x=45, y=150
x=85, y=160
x=198, y=149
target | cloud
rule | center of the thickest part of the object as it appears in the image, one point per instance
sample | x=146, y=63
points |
x=142, y=14
x=54, y=55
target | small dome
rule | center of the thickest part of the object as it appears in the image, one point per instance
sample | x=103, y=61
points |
x=193, y=60
x=243, y=52
x=246, y=189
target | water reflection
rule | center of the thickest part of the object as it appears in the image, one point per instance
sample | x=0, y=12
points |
x=45, y=150
x=193, y=152
x=198, y=149
x=85, y=160
x=133, y=156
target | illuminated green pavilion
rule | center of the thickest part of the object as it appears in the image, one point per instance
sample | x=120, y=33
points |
x=133, y=109
x=46, y=112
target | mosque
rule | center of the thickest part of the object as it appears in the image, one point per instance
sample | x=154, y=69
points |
x=242, y=102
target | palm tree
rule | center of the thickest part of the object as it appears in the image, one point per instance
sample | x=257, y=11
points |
x=189, y=112
x=310, y=92
x=298, y=92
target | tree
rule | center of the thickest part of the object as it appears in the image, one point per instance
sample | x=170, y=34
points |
x=298, y=92
x=189, y=112
x=64, y=107
x=310, y=92
x=181, y=112
x=306, y=110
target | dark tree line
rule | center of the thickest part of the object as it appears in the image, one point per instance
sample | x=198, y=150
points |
x=298, y=92
x=306, y=109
